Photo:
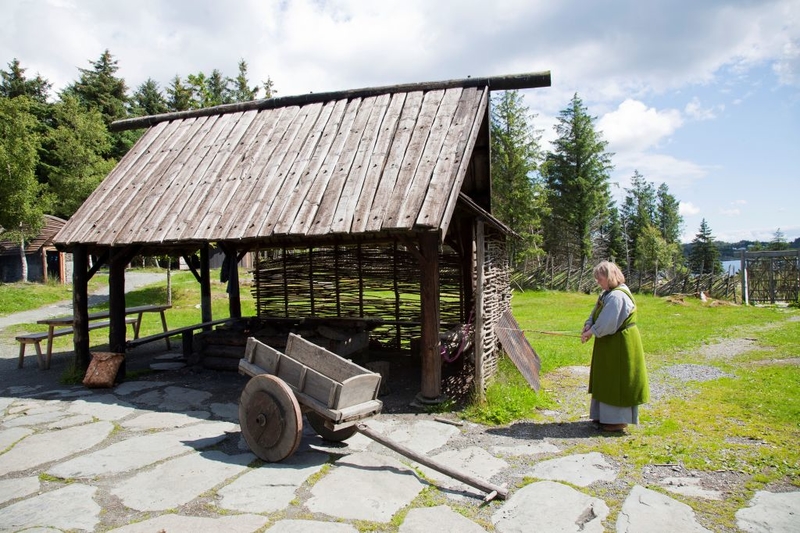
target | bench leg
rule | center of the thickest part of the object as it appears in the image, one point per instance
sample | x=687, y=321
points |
x=164, y=323
x=21, y=354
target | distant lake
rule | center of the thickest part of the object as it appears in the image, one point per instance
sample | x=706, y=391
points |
x=731, y=266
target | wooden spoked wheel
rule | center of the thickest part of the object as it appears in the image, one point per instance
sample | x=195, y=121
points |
x=270, y=417
x=317, y=422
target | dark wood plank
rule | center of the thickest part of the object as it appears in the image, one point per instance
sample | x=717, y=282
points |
x=443, y=179
x=354, y=186
x=444, y=216
x=146, y=192
x=171, y=227
x=394, y=161
x=117, y=180
x=418, y=188
x=377, y=163
x=412, y=161
x=308, y=209
x=196, y=207
x=324, y=218
x=185, y=202
x=312, y=157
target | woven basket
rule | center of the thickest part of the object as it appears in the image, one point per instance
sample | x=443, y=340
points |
x=103, y=368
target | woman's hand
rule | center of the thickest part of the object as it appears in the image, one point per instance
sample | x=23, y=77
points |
x=586, y=334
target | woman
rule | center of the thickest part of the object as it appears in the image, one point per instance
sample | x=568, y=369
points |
x=618, y=376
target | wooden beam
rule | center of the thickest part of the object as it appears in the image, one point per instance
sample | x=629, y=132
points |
x=80, y=303
x=431, y=382
x=531, y=80
x=205, y=284
x=116, y=304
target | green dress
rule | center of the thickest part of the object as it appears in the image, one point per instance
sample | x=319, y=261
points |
x=618, y=374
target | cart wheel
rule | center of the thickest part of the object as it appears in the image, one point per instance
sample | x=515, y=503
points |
x=317, y=422
x=270, y=417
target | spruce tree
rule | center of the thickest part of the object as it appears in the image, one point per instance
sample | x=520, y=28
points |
x=704, y=254
x=517, y=197
x=577, y=177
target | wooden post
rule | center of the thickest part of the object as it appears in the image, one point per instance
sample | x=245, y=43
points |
x=116, y=301
x=234, y=296
x=431, y=382
x=743, y=270
x=44, y=265
x=205, y=284
x=80, y=302
x=480, y=356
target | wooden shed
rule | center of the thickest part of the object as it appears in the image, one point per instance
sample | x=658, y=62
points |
x=354, y=200
x=43, y=260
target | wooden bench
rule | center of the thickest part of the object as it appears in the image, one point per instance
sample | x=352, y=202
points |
x=37, y=338
x=186, y=333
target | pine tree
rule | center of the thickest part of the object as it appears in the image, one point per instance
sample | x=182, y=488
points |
x=179, y=96
x=638, y=212
x=577, y=178
x=517, y=197
x=148, y=100
x=15, y=83
x=704, y=254
x=242, y=91
x=99, y=88
x=668, y=217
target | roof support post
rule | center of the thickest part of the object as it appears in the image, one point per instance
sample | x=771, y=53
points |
x=116, y=300
x=80, y=309
x=205, y=284
x=431, y=382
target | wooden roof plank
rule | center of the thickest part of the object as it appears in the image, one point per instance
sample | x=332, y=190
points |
x=156, y=185
x=119, y=176
x=290, y=196
x=464, y=154
x=446, y=170
x=400, y=141
x=417, y=190
x=308, y=209
x=145, y=179
x=230, y=171
x=354, y=187
x=305, y=123
x=411, y=161
x=302, y=133
x=267, y=177
x=314, y=159
x=326, y=211
x=195, y=207
x=377, y=163
x=171, y=227
x=251, y=172
x=180, y=180
x=186, y=205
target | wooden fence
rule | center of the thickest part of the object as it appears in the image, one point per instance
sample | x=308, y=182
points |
x=566, y=277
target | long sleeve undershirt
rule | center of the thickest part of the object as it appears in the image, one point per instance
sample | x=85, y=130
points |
x=616, y=308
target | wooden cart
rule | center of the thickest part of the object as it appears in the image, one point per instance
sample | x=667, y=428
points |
x=335, y=394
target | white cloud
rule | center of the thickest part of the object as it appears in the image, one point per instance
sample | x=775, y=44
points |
x=688, y=209
x=739, y=202
x=730, y=212
x=696, y=111
x=635, y=127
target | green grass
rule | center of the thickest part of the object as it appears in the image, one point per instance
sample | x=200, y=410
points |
x=17, y=297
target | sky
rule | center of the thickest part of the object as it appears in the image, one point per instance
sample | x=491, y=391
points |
x=703, y=96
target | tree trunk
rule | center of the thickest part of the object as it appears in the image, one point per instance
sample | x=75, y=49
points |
x=23, y=260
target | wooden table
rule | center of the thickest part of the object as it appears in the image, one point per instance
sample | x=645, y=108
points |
x=66, y=321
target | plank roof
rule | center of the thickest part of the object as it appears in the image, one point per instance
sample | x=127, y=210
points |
x=44, y=239
x=336, y=164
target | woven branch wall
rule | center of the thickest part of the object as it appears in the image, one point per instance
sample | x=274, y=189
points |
x=377, y=281
x=496, y=297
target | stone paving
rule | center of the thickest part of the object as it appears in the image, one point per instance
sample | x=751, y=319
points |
x=161, y=455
